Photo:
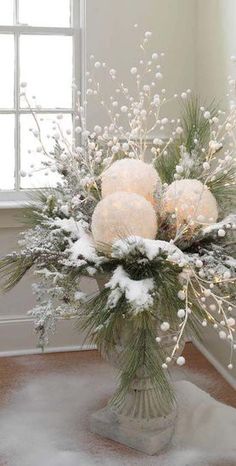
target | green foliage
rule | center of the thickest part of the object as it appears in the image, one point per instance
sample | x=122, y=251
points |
x=194, y=124
x=223, y=187
x=166, y=164
x=42, y=204
x=118, y=327
x=195, y=136
x=140, y=354
x=13, y=268
x=108, y=328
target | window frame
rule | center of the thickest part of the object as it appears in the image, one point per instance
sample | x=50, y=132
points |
x=16, y=197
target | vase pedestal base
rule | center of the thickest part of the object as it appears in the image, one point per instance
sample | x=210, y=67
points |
x=149, y=437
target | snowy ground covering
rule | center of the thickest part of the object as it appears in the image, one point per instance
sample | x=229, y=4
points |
x=45, y=422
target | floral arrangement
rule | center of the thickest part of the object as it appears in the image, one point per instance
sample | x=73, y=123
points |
x=159, y=237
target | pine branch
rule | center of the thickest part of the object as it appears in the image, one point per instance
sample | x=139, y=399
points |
x=13, y=268
x=42, y=203
x=223, y=187
x=166, y=164
x=142, y=354
x=194, y=124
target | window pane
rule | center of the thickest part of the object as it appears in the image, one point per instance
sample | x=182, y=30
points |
x=6, y=12
x=34, y=173
x=7, y=71
x=7, y=156
x=45, y=12
x=46, y=65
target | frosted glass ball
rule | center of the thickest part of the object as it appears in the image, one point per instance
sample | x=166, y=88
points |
x=123, y=214
x=133, y=176
x=191, y=201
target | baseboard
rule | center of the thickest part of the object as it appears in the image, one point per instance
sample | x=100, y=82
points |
x=6, y=319
x=17, y=337
x=50, y=349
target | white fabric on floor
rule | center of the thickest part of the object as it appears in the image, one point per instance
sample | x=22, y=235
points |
x=46, y=423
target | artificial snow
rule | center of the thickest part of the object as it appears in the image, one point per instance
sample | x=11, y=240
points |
x=69, y=225
x=229, y=221
x=230, y=262
x=79, y=296
x=83, y=248
x=138, y=293
x=46, y=422
x=150, y=248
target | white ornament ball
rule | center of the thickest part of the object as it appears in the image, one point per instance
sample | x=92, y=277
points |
x=133, y=176
x=191, y=201
x=123, y=214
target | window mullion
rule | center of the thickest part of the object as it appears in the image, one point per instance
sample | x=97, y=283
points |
x=16, y=11
x=79, y=57
x=31, y=30
x=75, y=72
x=16, y=98
x=17, y=116
x=82, y=51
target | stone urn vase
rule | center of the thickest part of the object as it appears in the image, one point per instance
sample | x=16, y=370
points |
x=138, y=421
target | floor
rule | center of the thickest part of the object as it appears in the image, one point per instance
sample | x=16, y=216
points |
x=15, y=371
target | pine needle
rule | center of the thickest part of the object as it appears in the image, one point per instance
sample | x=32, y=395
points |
x=13, y=268
x=194, y=124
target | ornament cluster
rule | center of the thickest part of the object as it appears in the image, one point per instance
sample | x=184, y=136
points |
x=127, y=208
x=134, y=199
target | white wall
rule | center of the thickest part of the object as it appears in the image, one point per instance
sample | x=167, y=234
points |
x=216, y=42
x=112, y=38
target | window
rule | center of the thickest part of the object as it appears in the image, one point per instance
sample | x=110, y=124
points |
x=39, y=45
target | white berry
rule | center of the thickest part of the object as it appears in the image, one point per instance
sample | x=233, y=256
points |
x=165, y=326
x=181, y=313
x=181, y=295
x=180, y=361
x=222, y=335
